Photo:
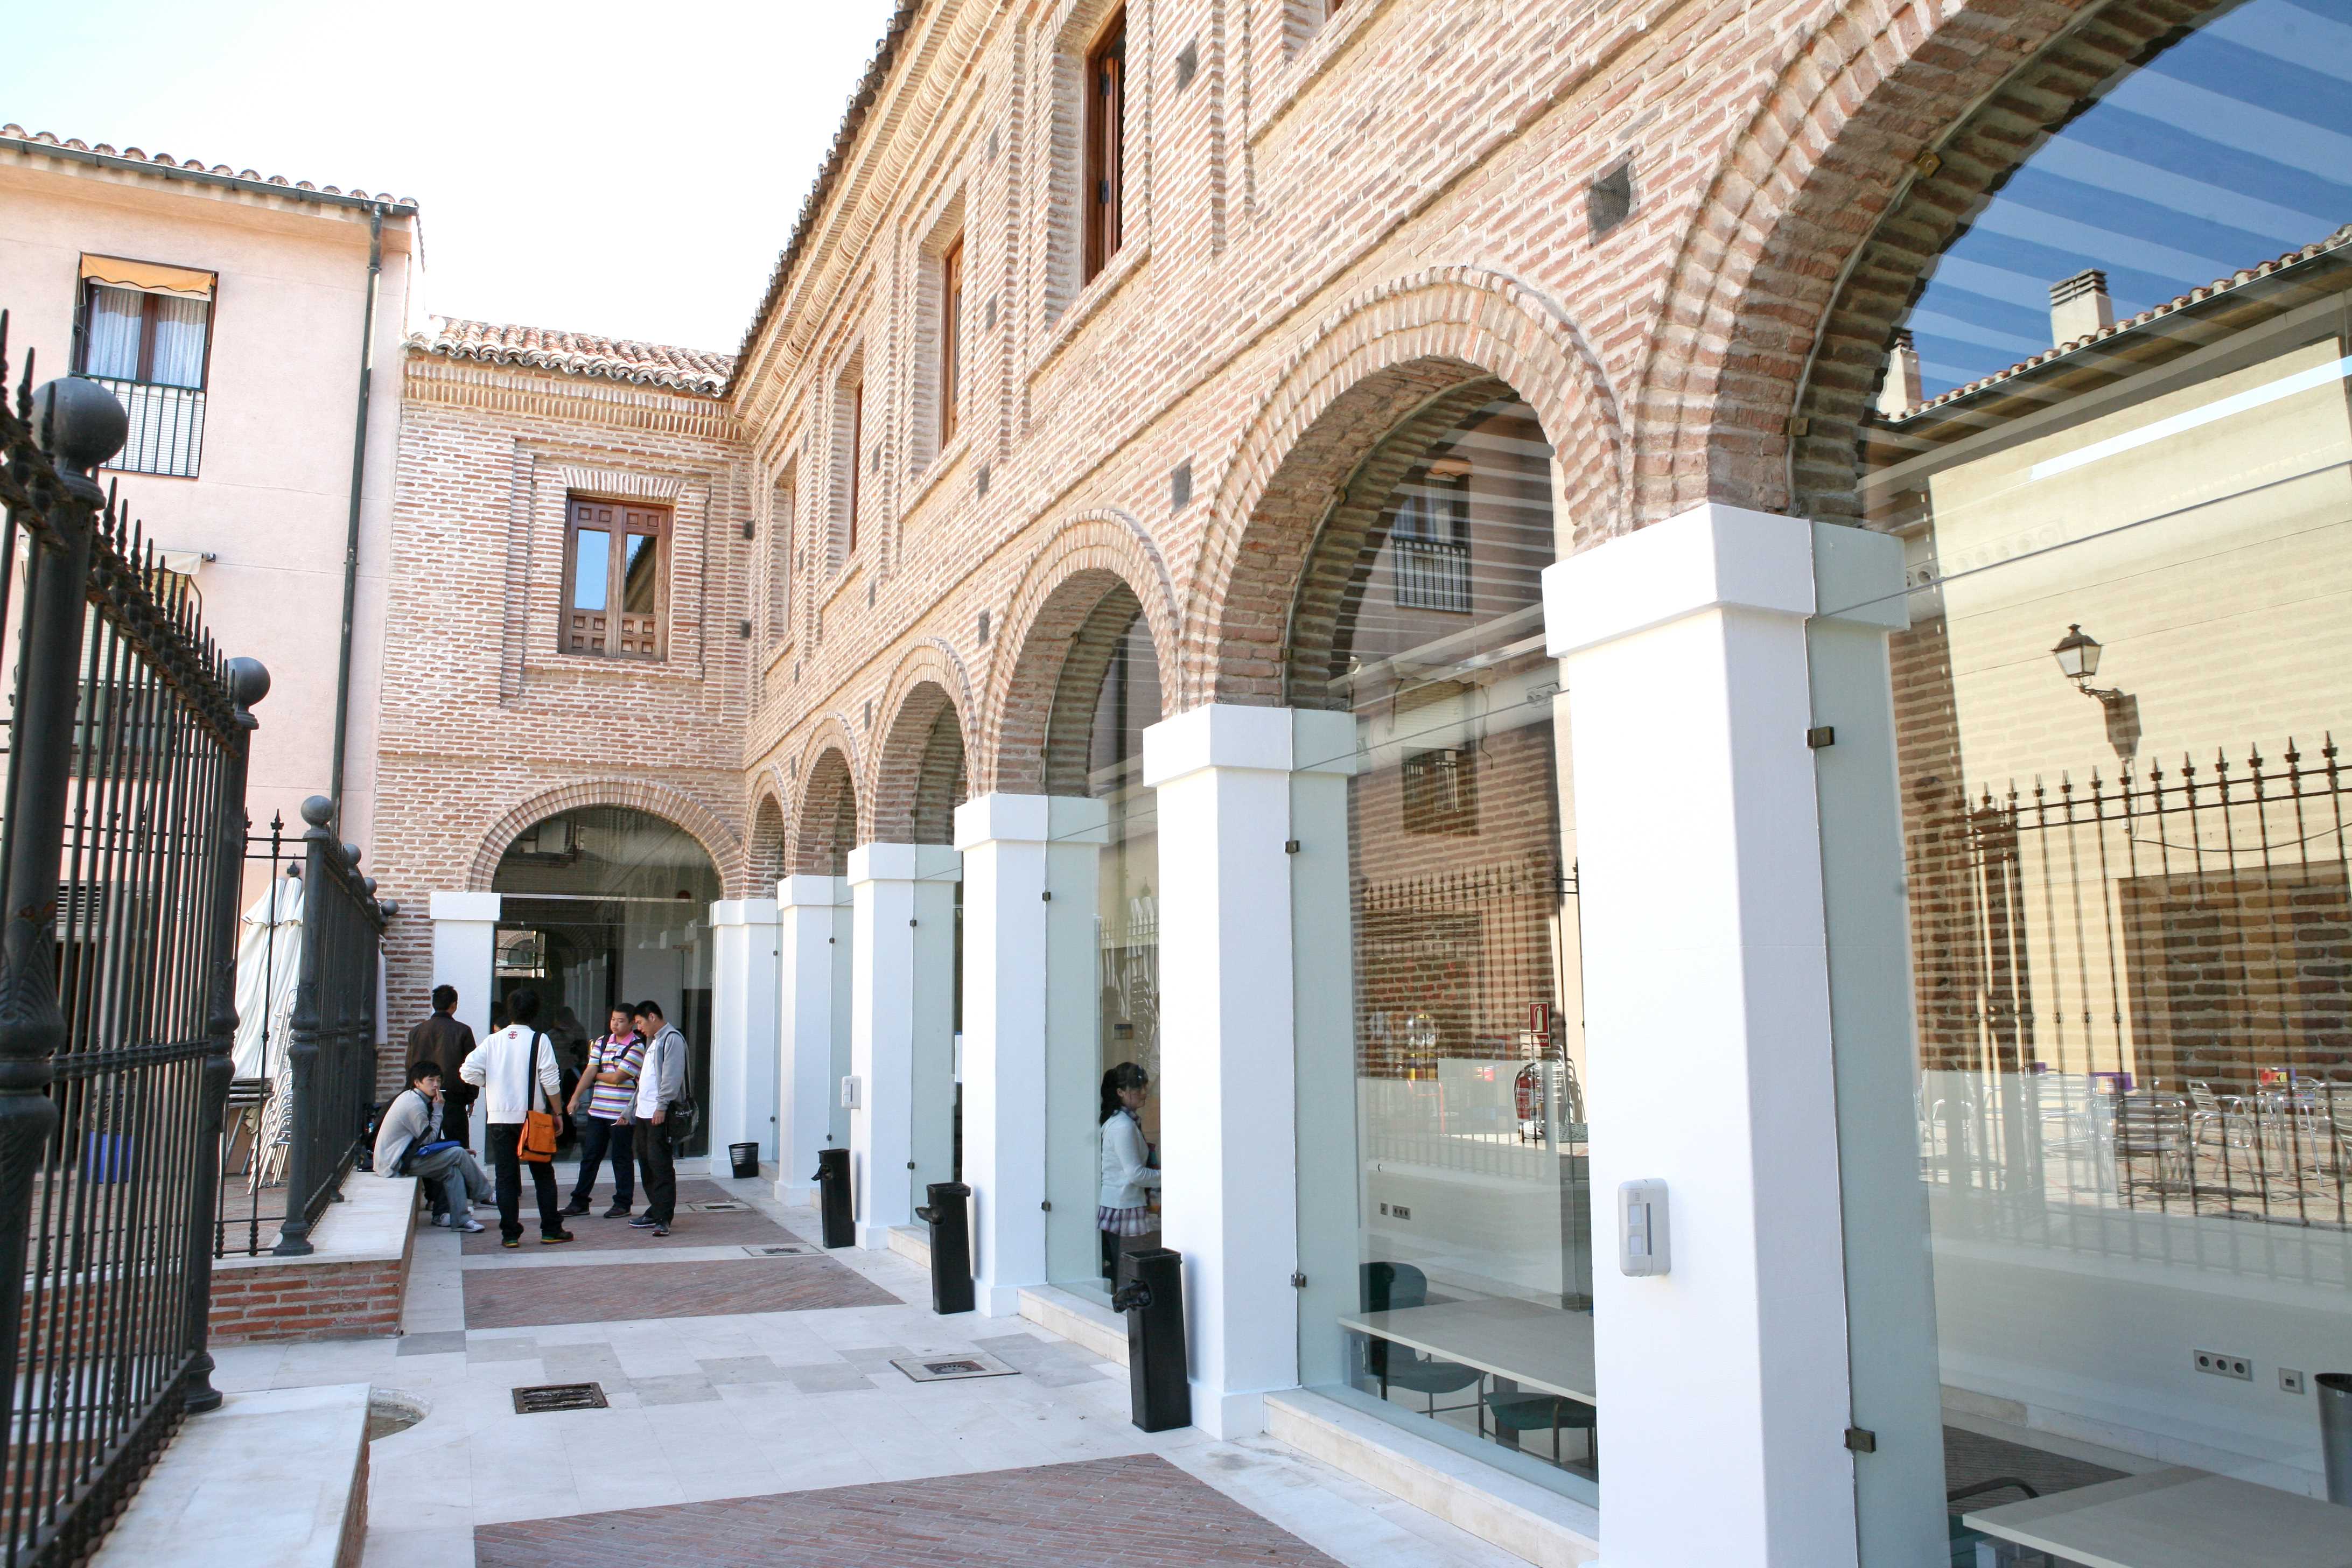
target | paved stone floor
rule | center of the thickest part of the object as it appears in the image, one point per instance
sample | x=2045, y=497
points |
x=759, y=1432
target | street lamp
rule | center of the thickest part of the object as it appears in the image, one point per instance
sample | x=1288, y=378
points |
x=2077, y=653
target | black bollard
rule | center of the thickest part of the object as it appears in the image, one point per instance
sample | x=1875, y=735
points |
x=1158, y=1376
x=833, y=1197
x=949, y=1215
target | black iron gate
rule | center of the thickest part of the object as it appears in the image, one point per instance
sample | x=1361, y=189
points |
x=123, y=839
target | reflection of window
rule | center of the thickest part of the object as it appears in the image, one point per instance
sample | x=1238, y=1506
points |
x=145, y=332
x=1431, y=539
x=1441, y=792
x=1106, y=146
x=614, y=576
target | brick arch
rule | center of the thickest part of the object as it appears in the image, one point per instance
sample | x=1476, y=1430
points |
x=672, y=805
x=1086, y=561
x=920, y=773
x=826, y=826
x=1821, y=226
x=764, y=845
x=1373, y=363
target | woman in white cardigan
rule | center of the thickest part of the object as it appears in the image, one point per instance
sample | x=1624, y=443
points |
x=1129, y=1176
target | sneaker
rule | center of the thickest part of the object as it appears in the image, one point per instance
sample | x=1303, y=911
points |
x=576, y=1206
x=643, y=1222
x=558, y=1240
x=510, y=1241
x=618, y=1211
x=470, y=1226
x=661, y=1230
x=441, y=1221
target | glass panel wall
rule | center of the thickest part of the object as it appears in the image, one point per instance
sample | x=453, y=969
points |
x=1102, y=1172
x=1445, y=1225
x=2117, y=710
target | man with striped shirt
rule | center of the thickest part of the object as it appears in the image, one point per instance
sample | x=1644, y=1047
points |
x=609, y=1085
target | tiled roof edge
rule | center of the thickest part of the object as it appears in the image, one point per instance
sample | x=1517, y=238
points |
x=697, y=371
x=853, y=121
x=17, y=138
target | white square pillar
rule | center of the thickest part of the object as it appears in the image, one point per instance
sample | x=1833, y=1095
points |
x=902, y=991
x=811, y=927
x=1009, y=843
x=1722, y=1383
x=465, y=951
x=1228, y=1085
x=741, y=1099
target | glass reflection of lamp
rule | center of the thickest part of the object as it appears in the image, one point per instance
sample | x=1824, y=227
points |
x=2077, y=653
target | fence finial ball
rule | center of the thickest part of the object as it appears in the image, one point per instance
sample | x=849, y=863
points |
x=249, y=681
x=317, y=810
x=351, y=855
x=78, y=422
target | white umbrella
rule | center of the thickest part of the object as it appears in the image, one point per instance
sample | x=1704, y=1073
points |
x=269, y=962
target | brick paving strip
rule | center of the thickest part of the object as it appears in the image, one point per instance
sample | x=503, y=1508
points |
x=527, y=1297
x=749, y=1228
x=1136, y=1512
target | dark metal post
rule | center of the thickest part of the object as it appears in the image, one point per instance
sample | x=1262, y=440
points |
x=81, y=426
x=302, y=1051
x=251, y=684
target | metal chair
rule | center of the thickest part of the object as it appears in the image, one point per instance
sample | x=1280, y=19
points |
x=1534, y=1412
x=1390, y=1287
x=1964, y=1540
x=2226, y=1113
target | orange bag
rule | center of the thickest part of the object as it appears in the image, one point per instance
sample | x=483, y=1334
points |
x=538, y=1127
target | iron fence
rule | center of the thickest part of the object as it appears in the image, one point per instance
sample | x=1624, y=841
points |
x=253, y=1131
x=121, y=831
x=2135, y=1003
x=331, y=1049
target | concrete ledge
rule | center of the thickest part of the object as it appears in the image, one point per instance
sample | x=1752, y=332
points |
x=1518, y=1516
x=269, y=1480
x=913, y=1243
x=353, y=1284
x=1088, y=1324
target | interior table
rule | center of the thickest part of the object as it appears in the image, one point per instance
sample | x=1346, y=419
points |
x=2168, y=1518
x=1539, y=1347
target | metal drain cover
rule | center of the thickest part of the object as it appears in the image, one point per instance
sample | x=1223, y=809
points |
x=727, y=1206
x=559, y=1396
x=952, y=1368
x=776, y=1252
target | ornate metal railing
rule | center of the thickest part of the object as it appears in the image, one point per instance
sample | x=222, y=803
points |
x=167, y=428
x=117, y=1002
x=332, y=1046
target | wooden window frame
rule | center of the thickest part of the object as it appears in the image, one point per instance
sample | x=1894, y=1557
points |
x=1105, y=172
x=577, y=512
x=951, y=338
x=857, y=457
x=148, y=310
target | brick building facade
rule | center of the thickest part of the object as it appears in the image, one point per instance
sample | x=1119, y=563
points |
x=1122, y=327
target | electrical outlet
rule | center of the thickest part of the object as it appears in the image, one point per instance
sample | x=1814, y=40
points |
x=2290, y=1381
x=2221, y=1363
x=1400, y=1211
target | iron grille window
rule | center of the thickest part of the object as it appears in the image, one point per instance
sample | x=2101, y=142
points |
x=1441, y=792
x=1430, y=544
x=145, y=332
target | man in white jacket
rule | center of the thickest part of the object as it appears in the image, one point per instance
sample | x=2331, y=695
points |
x=514, y=1069
x=661, y=1084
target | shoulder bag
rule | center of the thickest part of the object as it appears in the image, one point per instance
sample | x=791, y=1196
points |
x=537, y=1146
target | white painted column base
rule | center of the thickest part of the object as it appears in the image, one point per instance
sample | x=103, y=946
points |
x=465, y=951
x=741, y=1100
x=1722, y=1383
x=810, y=923
x=1228, y=1088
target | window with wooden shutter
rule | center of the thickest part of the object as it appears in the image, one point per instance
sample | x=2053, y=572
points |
x=951, y=336
x=857, y=455
x=615, y=575
x=1106, y=144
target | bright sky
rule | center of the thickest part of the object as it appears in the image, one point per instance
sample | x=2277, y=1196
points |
x=629, y=169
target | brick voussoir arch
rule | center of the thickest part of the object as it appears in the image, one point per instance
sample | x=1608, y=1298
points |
x=929, y=678
x=1394, y=347
x=765, y=848
x=831, y=733
x=673, y=805
x=1779, y=267
x=1093, y=550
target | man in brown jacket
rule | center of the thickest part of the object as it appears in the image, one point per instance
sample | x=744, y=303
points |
x=442, y=1039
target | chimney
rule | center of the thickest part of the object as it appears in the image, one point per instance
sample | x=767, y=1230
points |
x=1900, y=391
x=2080, y=306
